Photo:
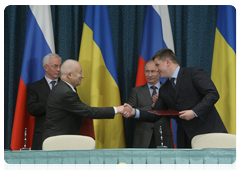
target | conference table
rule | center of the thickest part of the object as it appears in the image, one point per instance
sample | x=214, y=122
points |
x=123, y=156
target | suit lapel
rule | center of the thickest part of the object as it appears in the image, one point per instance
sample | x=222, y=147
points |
x=169, y=88
x=179, y=81
x=146, y=94
x=44, y=86
x=178, y=85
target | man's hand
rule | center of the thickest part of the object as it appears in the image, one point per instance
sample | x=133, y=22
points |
x=120, y=109
x=154, y=99
x=128, y=111
x=187, y=115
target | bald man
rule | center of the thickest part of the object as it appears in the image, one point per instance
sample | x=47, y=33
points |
x=65, y=110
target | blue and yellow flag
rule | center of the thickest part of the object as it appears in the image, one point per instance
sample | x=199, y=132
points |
x=99, y=87
x=224, y=65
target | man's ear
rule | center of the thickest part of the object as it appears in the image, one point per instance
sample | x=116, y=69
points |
x=168, y=61
x=69, y=75
x=45, y=67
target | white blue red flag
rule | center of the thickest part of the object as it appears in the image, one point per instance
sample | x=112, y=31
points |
x=38, y=43
x=157, y=34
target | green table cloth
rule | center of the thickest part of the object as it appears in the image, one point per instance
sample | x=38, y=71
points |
x=128, y=156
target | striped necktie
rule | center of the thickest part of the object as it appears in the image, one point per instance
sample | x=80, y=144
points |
x=53, y=83
x=154, y=90
x=173, y=84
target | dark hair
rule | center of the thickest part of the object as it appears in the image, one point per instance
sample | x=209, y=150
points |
x=165, y=53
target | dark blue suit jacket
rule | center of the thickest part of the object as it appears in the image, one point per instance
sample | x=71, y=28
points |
x=194, y=91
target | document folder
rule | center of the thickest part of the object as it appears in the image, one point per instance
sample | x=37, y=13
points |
x=165, y=112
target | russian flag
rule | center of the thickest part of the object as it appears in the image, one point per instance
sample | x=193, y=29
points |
x=38, y=43
x=224, y=65
x=99, y=87
x=157, y=34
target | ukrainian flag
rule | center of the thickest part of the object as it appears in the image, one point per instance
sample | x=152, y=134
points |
x=224, y=65
x=99, y=87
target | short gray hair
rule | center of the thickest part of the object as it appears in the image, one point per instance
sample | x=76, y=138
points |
x=47, y=57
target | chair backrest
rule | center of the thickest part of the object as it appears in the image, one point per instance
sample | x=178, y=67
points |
x=68, y=142
x=214, y=140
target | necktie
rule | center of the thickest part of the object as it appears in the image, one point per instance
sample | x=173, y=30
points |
x=53, y=83
x=172, y=82
x=154, y=90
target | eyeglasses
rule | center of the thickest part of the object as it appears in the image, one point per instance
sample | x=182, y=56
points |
x=55, y=66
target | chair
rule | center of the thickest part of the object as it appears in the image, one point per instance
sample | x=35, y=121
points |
x=68, y=142
x=214, y=140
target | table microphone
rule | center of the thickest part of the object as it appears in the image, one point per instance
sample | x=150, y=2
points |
x=25, y=141
x=161, y=138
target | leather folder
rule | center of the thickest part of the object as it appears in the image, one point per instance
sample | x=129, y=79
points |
x=165, y=112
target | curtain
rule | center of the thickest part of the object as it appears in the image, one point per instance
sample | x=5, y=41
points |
x=193, y=30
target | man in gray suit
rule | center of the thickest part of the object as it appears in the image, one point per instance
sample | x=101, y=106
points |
x=144, y=98
x=65, y=110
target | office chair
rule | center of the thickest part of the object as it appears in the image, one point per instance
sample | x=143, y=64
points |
x=214, y=140
x=68, y=142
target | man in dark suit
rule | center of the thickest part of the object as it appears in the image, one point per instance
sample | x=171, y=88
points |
x=144, y=98
x=37, y=94
x=65, y=110
x=189, y=91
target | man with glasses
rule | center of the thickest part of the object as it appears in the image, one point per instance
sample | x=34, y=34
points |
x=37, y=94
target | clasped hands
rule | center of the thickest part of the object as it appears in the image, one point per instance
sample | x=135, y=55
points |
x=126, y=110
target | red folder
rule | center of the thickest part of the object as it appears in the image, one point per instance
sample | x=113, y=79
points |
x=164, y=112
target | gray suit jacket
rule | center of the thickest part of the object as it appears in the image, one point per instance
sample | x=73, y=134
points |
x=65, y=111
x=140, y=98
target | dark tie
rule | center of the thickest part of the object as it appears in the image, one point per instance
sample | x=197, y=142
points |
x=172, y=82
x=53, y=83
x=154, y=90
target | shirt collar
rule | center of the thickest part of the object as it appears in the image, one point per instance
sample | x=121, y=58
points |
x=175, y=74
x=49, y=80
x=70, y=86
x=157, y=85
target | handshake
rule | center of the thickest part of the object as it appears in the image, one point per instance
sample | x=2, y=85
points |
x=126, y=110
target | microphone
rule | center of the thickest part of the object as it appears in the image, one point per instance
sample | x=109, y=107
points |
x=25, y=141
x=161, y=138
